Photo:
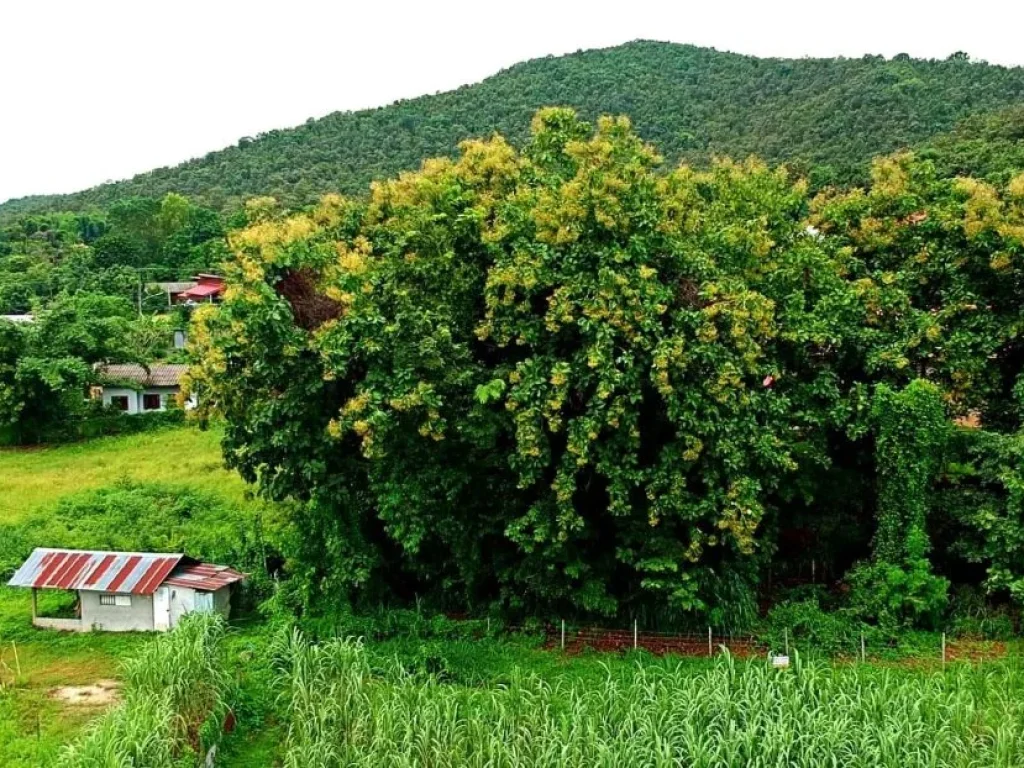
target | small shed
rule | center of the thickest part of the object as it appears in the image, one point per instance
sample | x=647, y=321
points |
x=126, y=591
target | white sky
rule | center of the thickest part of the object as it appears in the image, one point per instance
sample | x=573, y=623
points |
x=98, y=90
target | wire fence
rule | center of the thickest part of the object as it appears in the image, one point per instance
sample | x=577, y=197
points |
x=937, y=648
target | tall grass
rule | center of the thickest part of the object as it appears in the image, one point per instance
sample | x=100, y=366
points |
x=174, y=702
x=665, y=713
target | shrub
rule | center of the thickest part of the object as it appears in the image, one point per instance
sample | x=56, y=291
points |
x=814, y=630
x=902, y=595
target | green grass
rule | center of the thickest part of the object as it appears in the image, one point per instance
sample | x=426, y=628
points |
x=31, y=478
x=34, y=725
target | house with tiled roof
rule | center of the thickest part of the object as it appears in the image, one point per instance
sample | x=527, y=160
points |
x=134, y=388
x=125, y=591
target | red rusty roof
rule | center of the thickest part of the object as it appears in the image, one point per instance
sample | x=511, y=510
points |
x=137, y=573
x=203, y=576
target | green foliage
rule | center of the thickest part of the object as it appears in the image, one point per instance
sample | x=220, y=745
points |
x=987, y=145
x=911, y=435
x=900, y=595
x=136, y=517
x=829, y=115
x=983, y=498
x=898, y=588
x=636, y=439
x=972, y=616
x=804, y=625
x=135, y=241
x=564, y=380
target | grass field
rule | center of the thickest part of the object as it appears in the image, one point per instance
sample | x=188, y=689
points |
x=33, y=663
x=421, y=699
x=31, y=478
x=34, y=724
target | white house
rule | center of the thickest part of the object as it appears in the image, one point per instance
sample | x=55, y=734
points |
x=132, y=388
x=126, y=591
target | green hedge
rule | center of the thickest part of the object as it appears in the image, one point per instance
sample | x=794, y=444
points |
x=101, y=425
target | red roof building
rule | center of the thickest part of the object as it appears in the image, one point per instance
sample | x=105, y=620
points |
x=120, y=591
x=207, y=288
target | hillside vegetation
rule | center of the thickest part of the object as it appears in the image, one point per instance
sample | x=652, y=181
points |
x=830, y=114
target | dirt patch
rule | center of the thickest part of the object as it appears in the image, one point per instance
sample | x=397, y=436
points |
x=612, y=641
x=975, y=650
x=102, y=693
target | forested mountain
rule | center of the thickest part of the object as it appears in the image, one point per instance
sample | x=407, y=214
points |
x=829, y=115
x=987, y=145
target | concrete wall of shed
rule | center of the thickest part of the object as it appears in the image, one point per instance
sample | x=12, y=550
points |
x=222, y=601
x=183, y=600
x=117, y=618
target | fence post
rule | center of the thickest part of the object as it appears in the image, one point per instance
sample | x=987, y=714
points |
x=634, y=635
x=711, y=650
x=563, y=634
x=943, y=649
x=863, y=654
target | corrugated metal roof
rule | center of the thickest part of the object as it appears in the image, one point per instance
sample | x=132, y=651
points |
x=203, y=576
x=138, y=573
x=158, y=375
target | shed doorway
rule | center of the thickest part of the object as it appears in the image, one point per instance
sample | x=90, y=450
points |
x=162, y=608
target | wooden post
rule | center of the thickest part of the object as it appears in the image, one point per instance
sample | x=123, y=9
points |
x=563, y=634
x=863, y=654
x=711, y=649
x=943, y=649
x=634, y=635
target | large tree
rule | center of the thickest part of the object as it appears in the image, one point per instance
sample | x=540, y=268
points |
x=557, y=376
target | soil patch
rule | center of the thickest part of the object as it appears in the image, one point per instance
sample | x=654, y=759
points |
x=102, y=693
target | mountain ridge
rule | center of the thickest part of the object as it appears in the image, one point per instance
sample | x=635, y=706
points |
x=830, y=115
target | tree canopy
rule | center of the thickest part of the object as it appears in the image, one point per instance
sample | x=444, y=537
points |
x=563, y=376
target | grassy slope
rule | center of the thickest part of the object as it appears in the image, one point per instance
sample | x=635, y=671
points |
x=33, y=726
x=32, y=478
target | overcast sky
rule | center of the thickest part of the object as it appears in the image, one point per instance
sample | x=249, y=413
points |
x=101, y=90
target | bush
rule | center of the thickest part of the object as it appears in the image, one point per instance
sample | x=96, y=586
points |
x=899, y=596
x=971, y=616
x=105, y=423
x=814, y=630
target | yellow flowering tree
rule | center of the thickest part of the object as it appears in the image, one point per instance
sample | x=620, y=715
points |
x=551, y=378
